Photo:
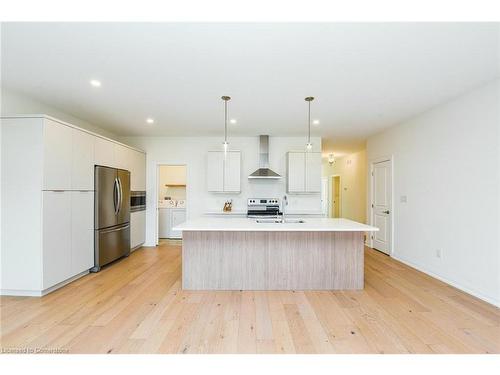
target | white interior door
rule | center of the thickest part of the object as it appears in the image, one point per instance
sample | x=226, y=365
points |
x=382, y=210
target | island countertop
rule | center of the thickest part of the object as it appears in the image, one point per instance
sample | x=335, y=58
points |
x=237, y=224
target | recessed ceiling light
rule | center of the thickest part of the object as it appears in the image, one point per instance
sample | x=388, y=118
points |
x=233, y=121
x=315, y=122
x=149, y=120
x=95, y=83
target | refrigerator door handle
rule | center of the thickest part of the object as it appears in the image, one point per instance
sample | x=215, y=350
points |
x=114, y=230
x=115, y=196
x=120, y=195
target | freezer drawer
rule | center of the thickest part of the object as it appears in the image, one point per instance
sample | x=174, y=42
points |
x=111, y=244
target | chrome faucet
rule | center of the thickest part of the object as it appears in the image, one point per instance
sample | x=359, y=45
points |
x=283, y=205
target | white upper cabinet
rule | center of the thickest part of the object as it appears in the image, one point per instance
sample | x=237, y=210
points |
x=224, y=171
x=137, y=171
x=110, y=154
x=303, y=172
x=104, y=152
x=215, y=171
x=57, y=156
x=296, y=172
x=313, y=172
x=82, y=171
x=123, y=157
x=232, y=172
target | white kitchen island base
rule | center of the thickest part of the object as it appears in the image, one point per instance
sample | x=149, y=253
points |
x=272, y=260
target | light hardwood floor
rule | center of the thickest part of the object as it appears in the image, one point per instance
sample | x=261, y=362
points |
x=137, y=306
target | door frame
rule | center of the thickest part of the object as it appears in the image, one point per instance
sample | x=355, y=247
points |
x=155, y=193
x=372, y=162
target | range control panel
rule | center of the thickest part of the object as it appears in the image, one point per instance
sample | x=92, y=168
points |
x=263, y=201
x=261, y=207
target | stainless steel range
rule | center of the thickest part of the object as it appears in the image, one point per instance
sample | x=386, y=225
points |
x=263, y=207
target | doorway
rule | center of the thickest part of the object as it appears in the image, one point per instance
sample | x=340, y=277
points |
x=171, y=200
x=336, y=203
x=334, y=196
x=381, y=205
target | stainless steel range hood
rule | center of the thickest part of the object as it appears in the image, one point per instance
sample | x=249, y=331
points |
x=264, y=172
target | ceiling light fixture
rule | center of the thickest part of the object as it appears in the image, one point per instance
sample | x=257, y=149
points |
x=315, y=122
x=225, y=144
x=309, y=145
x=149, y=120
x=95, y=83
x=331, y=159
x=233, y=121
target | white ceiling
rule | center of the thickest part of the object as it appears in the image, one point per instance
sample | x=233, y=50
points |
x=365, y=77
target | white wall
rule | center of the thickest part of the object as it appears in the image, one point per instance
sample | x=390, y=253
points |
x=447, y=163
x=13, y=103
x=192, y=151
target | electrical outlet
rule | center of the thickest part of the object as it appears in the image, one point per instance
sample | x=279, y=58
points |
x=439, y=253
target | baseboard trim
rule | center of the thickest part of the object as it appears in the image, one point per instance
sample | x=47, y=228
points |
x=40, y=293
x=452, y=283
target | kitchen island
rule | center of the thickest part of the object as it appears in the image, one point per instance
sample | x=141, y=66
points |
x=245, y=254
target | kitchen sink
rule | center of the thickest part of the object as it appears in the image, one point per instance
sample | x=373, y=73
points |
x=269, y=221
x=294, y=221
x=279, y=221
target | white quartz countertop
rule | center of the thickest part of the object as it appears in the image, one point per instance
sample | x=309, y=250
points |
x=236, y=224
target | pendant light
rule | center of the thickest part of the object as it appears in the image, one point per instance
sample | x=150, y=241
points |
x=309, y=145
x=225, y=144
x=331, y=159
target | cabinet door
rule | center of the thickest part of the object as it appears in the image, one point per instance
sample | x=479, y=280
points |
x=82, y=231
x=177, y=217
x=138, y=171
x=104, y=152
x=313, y=172
x=215, y=171
x=296, y=172
x=56, y=237
x=141, y=171
x=123, y=157
x=57, y=156
x=137, y=228
x=163, y=222
x=232, y=171
x=82, y=171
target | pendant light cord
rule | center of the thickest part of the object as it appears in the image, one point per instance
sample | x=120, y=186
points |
x=225, y=120
x=309, y=121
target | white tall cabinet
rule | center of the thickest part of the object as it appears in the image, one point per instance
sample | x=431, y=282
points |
x=303, y=172
x=48, y=200
x=224, y=172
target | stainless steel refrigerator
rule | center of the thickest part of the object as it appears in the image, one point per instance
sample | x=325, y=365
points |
x=111, y=215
